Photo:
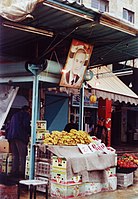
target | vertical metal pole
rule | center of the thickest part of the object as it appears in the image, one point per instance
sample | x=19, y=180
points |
x=33, y=125
x=81, y=108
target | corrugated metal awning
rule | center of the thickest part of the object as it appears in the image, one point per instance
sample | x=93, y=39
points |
x=108, y=85
x=114, y=39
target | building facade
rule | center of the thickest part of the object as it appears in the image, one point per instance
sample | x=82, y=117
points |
x=124, y=9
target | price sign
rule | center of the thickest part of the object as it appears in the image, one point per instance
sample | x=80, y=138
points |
x=111, y=150
x=84, y=148
x=93, y=147
x=100, y=147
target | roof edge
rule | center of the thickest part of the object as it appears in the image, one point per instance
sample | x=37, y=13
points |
x=116, y=23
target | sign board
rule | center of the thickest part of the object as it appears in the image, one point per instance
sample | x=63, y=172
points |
x=84, y=148
x=76, y=101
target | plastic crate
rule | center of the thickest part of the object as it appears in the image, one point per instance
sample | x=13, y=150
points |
x=46, y=156
x=42, y=169
x=42, y=188
x=124, y=180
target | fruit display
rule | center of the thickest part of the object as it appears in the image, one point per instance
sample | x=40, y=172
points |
x=64, y=138
x=128, y=161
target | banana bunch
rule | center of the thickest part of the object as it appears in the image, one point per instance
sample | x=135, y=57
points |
x=64, y=138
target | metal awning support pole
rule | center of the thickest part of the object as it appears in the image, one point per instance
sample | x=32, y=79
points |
x=33, y=125
x=81, y=108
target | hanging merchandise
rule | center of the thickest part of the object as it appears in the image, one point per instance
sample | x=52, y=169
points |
x=93, y=98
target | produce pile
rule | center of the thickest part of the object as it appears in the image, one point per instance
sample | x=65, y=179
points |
x=127, y=161
x=63, y=138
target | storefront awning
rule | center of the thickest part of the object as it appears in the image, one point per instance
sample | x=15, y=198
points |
x=108, y=85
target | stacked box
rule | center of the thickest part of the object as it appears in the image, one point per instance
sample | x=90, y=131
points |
x=111, y=185
x=67, y=191
x=4, y=146
x=9, y=164
x=61, y=185
x=27, y=167
x=92, y=187
x=41, y=125
x=124, y=180
x=28, y=152
x=59, y=172
x=111, y=171
x=1, y=161
x=58, y=176
x=40, y=135
x=59, y=163
x=6, y=163
x=96, y=187
x=112, y=181
x=116, y=159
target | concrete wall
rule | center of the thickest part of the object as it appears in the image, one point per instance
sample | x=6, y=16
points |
x=116, y=8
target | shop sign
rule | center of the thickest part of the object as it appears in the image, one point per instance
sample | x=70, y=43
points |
x=87, y=103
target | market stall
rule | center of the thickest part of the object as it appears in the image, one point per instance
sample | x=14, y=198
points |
x=75, y=164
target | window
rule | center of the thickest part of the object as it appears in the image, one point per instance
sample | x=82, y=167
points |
x=79, y=1
x=128, y=15
x=102, y=5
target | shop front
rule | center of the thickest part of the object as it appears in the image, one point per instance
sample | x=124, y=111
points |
x=56, y=109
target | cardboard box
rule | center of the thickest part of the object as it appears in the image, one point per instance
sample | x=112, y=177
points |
x=40, y=136
x=67, y=191
x=105, y=186
x=41, y=125
x=7, y=167
x=58, y=176
x=59, y=163
x=4, y=156
x=4, y=146
x=96, y=187
x=124, y=180
x=112, y=181
x=92, y=188
x=111, y=171
x=6, y=163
